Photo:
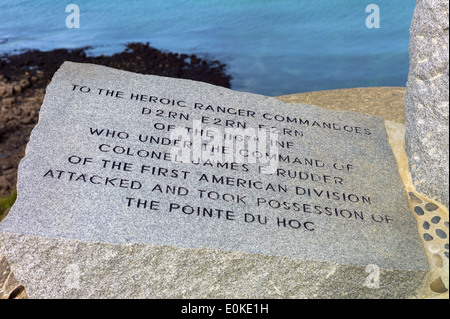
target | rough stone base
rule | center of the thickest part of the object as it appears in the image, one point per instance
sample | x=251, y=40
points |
x=9, y=287
x=71, y=269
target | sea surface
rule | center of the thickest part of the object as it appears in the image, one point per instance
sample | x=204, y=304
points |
x=270, y=47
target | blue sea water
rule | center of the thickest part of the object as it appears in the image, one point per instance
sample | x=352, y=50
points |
x=270, y=47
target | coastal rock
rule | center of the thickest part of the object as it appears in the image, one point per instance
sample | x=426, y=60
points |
x=17, y=89
x=9, y=90
x=427, y=99
x=7, y=102
x=24, y=83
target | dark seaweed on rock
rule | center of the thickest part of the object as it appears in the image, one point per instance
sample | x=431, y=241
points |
x=137, y=57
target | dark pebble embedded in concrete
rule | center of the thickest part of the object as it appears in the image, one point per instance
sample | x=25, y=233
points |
x=414, y=198
x=435, y=219
x=427, y=237
x=438, y=286
x=446, y=224
x=431, y=207
x=446, y=246
x=441, y=234
x=419, y=211
x=426, y=225
x=446, y=254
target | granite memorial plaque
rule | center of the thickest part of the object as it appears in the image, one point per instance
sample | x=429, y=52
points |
x=141, y=186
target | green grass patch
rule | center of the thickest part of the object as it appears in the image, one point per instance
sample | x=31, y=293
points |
x=6, y=203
